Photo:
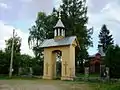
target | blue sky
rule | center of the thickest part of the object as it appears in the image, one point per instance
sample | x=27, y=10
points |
x=21, y=14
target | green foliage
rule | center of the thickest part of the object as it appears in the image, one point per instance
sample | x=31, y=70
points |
x=16, y=52
x=5, y=56
x=26, y=61
x=105, y=38
x=81, y=55
x=42, y=29
x=112, y=60
x=74, y=17
x=17, y=44
x=105, y=86
x=38, y=70
x=4, y=62
x=19, y=60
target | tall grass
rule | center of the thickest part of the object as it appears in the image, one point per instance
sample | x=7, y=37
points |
x=106, y=86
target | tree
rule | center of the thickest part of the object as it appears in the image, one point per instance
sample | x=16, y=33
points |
x=26, y=61
x=22, y=61
x=74, y=17
x=4, y=63
x=16, y=52
x=17, y=44
x=105, y=38
x=112, y=61
x=42, y=29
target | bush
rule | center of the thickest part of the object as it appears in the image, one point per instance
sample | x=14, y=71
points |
x=38, y=70
x=112, y=60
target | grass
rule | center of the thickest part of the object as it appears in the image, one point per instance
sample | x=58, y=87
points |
x=96, y=84
x=6, y=77
x=90, y=75
x=88, y=85
x=105, y=86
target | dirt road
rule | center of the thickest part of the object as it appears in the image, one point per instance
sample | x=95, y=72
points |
x=41, y=85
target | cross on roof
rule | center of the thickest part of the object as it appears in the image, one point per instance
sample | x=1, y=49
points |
x=65, y=65
x=59, y=15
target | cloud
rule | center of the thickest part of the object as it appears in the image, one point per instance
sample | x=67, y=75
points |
x=89, y=3
x=31, y=9
x=6, y=33
x=109, y=15
x=26, y=0
x=57, y=3
x=112, y=19
x=24, y=9
x=3, y=5
x=111, y=10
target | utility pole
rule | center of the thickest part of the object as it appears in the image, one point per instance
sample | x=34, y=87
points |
x=11, y=61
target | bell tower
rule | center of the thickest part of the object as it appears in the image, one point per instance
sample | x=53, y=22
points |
x=65, y=46
x=59, y=29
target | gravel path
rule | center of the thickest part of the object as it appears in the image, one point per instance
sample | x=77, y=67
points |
x=40, y=85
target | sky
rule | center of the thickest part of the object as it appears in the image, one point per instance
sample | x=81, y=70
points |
x=21, y=15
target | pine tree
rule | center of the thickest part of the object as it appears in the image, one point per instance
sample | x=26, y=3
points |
x=105, y=38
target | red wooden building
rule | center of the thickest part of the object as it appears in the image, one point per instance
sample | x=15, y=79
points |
x=96, y=60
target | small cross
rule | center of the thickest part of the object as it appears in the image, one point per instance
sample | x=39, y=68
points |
x=59, y=15
x=65, y=65
x=47, y=68
x=70, y=71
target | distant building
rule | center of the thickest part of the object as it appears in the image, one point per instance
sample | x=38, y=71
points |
x=96, y=60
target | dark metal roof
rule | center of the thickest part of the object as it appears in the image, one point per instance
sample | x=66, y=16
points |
x=94, y=55
x=62, y=42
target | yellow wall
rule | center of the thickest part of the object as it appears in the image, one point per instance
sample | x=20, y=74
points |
x=68, y=56
x=72, y=61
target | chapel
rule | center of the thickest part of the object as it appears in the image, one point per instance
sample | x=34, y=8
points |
x=59, y=49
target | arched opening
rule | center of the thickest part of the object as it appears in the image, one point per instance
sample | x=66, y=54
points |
x=57, y=59
x=97, y=67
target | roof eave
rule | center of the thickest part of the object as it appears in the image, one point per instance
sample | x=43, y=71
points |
x=55, y=46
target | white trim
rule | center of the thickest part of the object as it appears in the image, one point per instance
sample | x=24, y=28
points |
x=55, y=32
x=62, y=32
x=58, y=32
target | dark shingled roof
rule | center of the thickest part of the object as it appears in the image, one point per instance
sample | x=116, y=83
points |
x=62, y=42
